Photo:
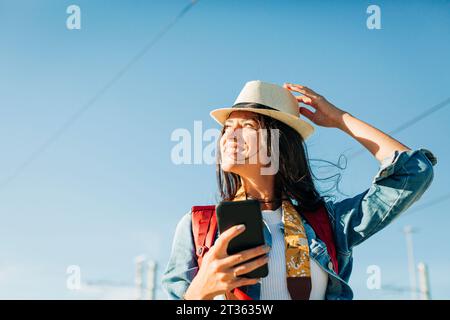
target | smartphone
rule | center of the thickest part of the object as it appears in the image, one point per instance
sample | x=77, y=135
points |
x=247, y=212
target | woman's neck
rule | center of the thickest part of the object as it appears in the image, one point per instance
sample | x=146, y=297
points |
x=263, y=189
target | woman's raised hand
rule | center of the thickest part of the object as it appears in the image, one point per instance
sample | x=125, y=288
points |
x=325, y=115
x=219, y=274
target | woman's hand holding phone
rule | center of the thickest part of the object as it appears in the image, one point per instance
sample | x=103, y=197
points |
x=219, y=272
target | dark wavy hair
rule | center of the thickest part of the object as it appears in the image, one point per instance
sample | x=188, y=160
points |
x=294, y=177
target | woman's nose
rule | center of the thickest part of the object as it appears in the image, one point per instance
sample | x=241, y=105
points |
x=234, y=131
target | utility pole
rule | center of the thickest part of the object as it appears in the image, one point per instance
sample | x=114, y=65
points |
x=424, y=281
x=408, y=230
x=151, y=279
x=139, y=276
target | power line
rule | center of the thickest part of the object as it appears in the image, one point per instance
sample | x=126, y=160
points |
x=406, y=125
x=410, y=122
x=430, y=203
x=78, y=113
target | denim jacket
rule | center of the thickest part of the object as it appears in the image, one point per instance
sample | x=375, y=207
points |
x=400, y=181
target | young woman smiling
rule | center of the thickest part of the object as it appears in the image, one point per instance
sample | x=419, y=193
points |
x=302, y=264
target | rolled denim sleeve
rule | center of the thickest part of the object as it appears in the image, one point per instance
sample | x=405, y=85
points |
x=182, y=265
x=400, y=181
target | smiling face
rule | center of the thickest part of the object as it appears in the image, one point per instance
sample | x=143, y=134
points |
x=240, y=147
x=279, y=143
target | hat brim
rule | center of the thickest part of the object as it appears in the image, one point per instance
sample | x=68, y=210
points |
x=299, y=125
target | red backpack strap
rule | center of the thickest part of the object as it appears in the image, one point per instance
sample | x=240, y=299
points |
x=320, y=222
x=204, y=228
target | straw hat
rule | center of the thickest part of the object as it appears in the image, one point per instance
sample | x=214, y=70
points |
x=268, y=99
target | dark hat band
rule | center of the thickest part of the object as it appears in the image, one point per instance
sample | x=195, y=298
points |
x=253, y=105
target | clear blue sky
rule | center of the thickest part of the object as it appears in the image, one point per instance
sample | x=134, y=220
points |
x=107, y=190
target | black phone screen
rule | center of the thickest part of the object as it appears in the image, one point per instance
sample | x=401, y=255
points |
x=247, y=212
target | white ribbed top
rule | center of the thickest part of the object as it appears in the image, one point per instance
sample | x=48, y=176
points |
x=274, y=286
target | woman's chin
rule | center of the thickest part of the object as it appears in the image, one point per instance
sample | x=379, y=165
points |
x=229, y=167
x=233, y=164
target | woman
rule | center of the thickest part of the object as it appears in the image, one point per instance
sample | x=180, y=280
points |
x=301, y=264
